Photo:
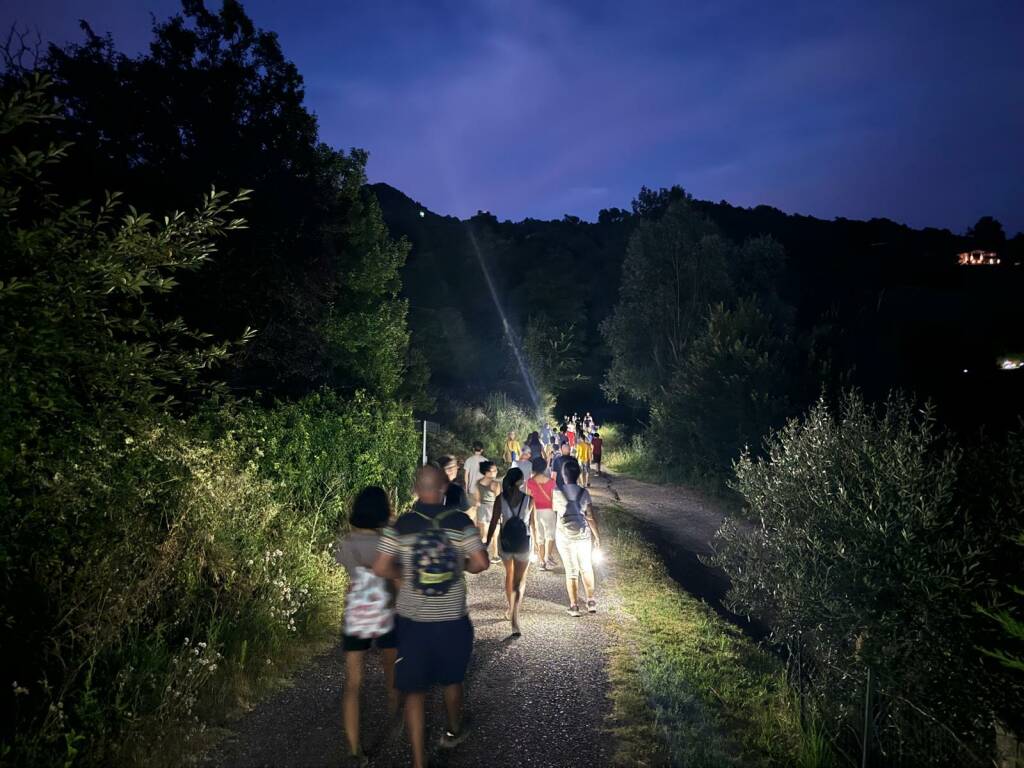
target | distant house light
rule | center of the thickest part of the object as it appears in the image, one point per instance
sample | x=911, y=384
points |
x=422, y=214
x=978, y=258
x=1012, y=363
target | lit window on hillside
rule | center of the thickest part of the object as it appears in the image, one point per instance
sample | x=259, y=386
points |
x=978, y=258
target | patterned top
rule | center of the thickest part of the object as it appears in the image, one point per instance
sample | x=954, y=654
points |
x=399, y=540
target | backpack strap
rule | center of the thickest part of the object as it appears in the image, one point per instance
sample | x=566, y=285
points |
x=543, y=490
x=436, y=519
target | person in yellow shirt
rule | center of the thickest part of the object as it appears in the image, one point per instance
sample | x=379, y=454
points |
x=584, y=453
x=511, y=448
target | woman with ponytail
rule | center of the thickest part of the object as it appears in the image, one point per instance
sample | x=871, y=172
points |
x=515, y=544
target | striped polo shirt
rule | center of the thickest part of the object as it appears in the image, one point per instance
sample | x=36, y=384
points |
x=398, y=541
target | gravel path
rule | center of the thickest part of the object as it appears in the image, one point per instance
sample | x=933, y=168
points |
x=685, y=517
x=537, y=700
x=681, y=523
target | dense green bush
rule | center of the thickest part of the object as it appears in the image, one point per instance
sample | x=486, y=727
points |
x=700, y=336
x=865, y=543
x=152, y=558
x=734, y=387
x=490, y=423
x=321, y=451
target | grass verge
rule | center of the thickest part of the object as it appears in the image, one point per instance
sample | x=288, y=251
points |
x=633, y=457
x=689, y=689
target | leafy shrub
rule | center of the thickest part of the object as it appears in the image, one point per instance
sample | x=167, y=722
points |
x=489, y=423
x=321, y=451
x=733, y=388
x=862, y=547
x=151, y=557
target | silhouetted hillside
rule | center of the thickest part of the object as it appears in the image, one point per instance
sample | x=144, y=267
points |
x=885, y=302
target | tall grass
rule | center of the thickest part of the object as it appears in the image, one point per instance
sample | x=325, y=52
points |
x=489, y=422
x=689, y=689
x=192, y=565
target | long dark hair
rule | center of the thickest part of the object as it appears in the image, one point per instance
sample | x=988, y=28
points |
x=510, y=483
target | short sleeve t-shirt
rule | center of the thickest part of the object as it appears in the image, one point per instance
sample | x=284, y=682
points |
x=472, y=466
x=369, y=603
x=358, y=548
x=556, y=467
x=583, y=451
x=596, y=445
x=582, y=496
x=400, y=539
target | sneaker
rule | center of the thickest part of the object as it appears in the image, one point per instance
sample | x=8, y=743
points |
x=574, y=611
x=451, y=740
x=591, y=606
x=495, y=559
x=359, y=758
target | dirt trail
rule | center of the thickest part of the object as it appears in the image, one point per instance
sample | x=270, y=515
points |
x=681, y=523
x=539, y=700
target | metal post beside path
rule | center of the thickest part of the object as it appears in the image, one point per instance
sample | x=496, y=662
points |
x=429, y=427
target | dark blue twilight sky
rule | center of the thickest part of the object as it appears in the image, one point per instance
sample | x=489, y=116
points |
x=911, y=110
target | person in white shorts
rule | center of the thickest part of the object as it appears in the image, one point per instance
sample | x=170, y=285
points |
x=541, y=487
x=514, y=509
x=576, y=537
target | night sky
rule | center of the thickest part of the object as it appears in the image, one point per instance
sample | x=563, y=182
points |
x=909, y=110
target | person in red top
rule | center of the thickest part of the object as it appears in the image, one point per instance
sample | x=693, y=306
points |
x=596, y=445
x=571, y=434
x=541, y=487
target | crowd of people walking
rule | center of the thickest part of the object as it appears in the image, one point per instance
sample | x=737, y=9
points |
x=407, y=593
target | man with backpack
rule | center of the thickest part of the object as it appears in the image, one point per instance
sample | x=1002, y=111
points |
x=429, y=549
x=576, y=537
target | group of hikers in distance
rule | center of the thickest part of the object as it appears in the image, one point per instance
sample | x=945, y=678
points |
x=407, y=592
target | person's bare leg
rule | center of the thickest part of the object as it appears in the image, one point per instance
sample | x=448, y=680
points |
x=588, y=582
x=390, y=655
x=509, y=576
x=453, y=706
x=414, y=707
x=350, y=698
x=518, y=587
x=571, y=588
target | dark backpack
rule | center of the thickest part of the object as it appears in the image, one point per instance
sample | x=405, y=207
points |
x=574, y=521
x=435, y=560
x=514, y=538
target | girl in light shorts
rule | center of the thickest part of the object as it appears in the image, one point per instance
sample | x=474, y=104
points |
x=576, y=537
x=542, y=488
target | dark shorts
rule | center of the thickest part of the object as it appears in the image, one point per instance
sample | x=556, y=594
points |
x=353, y=643
x=432, y=653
